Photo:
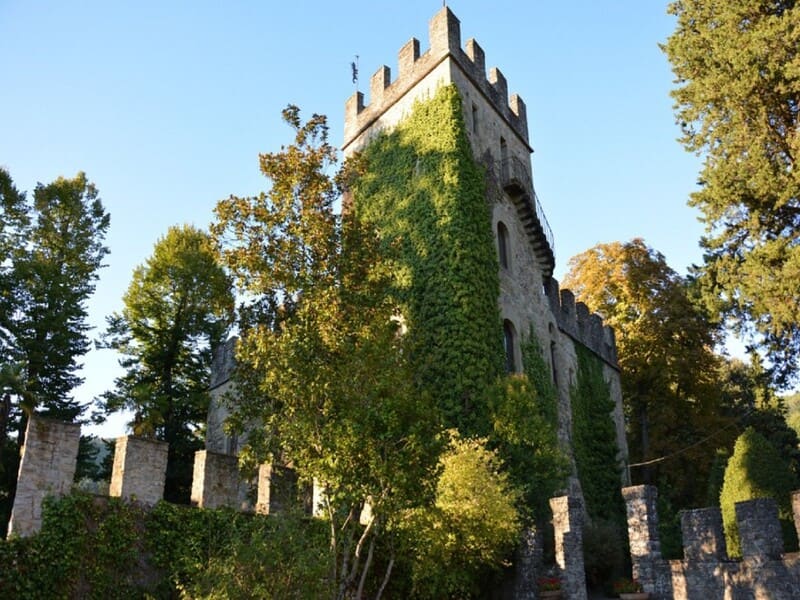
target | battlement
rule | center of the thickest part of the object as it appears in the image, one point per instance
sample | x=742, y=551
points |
x=575, y=320
x=444, y=34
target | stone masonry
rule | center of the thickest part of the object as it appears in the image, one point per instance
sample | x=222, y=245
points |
x=530, y=301
x=764, y=571
x=140, y=467
x=47, y=468
x=568, y=527
x=217, y=482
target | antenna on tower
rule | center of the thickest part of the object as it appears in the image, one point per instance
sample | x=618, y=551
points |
x=354, y=68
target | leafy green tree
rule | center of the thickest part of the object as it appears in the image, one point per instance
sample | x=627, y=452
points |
x=52, y=250
x=320, y=360
x=464, y=538
x=49, y=274
x=736, y=68
x=748, y=396
x=665, y=348
x=178, y=307
x=755, y=470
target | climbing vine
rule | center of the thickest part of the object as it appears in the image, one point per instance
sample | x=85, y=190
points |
x=525, y=422
x=594, y=438
x=425, y=194
x=105, y=548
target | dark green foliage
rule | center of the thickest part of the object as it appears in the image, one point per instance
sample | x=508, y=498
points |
x=524, y=421
x=669, y=524
x=425, y=195
x=604, y=552
x=594, y=439
x=756, y=470
x=100, y=548
x=88, y=548
x=51, y=249
x=736, y=100
x=716, y=477
x=178, y=307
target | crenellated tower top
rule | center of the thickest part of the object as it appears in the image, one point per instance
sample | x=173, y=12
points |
x=419, y=73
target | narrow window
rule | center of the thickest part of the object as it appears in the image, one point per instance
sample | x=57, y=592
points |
x=502, y=245
x=509, y=340
x=552, y=330
x=474, y=118
x=553, y=362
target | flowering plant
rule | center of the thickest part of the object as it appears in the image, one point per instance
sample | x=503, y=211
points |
x=627, y=586
x=549, y=584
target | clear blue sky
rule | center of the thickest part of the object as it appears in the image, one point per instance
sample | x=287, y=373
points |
x=166, y=105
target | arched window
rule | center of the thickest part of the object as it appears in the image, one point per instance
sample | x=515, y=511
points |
x=509, y=341
x=502, y=245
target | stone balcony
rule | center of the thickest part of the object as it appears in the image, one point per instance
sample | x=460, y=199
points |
x=514, y=177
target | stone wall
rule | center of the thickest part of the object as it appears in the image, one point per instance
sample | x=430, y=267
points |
x=49, y=461
x=47, y=468
x=706, y=571
x=140, y=469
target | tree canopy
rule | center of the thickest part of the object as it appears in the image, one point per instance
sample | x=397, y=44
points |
x=737, y=68
x=52, y=248
x=665, y=348
x=178, y=307
x=755, y=470
x=320, y=357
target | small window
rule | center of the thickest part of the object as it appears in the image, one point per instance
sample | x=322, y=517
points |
x=502, y=245
x=553, y=362
x=509, y=340
x=474, y=118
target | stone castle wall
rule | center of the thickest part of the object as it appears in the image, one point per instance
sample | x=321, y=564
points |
x=706, y=571
x=496, y=126
x=48, y=464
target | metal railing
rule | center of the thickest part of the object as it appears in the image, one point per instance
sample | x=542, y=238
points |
x=514, y=172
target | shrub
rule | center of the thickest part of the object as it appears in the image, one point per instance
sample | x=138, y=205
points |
x=755, y=470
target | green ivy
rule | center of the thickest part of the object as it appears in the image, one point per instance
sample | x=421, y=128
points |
x=92, y=547
x=538, y=371
x=425, y=194
x=594, y=439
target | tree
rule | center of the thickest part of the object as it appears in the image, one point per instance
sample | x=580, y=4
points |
x=736, y=64
x=52, y=251
x=321, y=362
x=178, y=307
x=748, y=397
x=456, y=544
x=49, y=273
x=755, y=470
x=665, y=347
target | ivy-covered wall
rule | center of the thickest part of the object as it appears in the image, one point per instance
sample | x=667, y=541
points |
x=594, y=439
x=105, y=548
x=426, y=196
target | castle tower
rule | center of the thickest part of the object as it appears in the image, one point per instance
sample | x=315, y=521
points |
x=527, y=299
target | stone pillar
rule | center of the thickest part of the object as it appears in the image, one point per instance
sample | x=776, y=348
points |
x=528, y=561
x=47, y=468
x=568, y=526
x=640, y=502
x=140, y=468
x=703, y=535
x=796, y=511
x=216, y=481
x=759, y=529
x=277, y=489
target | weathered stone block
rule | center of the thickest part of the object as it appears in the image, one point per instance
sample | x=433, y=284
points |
x=47, y=468
x=277, y=489
x=140, y=468
x=703, y=535
x=217, y=482
x=759, y=528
